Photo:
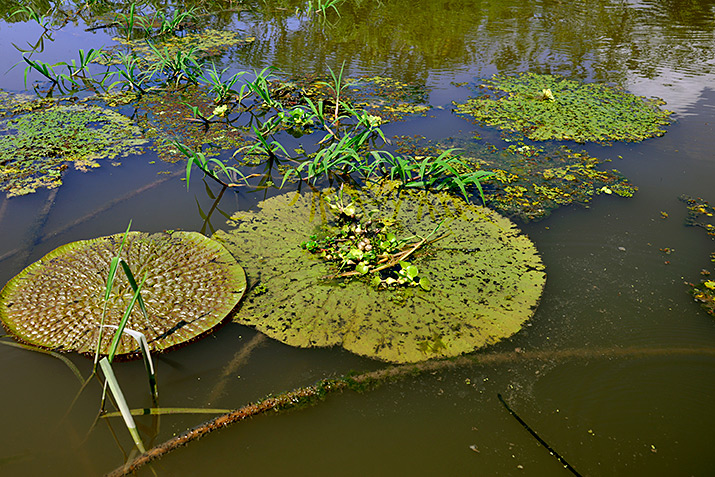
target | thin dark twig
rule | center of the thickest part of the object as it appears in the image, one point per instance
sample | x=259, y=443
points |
x=536, y=436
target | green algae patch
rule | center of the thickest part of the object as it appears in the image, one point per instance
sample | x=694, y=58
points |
x=36, y=147
x=529, y=182
x=192, y=284
x=384, y=97
x=166, y=117
x=550, y=107
x=389, y=98
x=202, y=44
x=702, y=214
x=486, y=277
x=12, y=104
x=530, y=188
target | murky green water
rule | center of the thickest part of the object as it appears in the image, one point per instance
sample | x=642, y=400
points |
x=608, y=286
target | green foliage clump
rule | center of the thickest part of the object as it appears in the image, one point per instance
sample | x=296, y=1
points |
x=362, y=246
x=36, y=147
x=550, y=107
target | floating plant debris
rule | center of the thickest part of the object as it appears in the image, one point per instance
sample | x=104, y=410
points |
x=203, y=44
x=57, y=302
x=36, y=147
x=544, y=107
x=166, y=117
x=383, y=97
x=486, y=277
x=702, y=214
x=529, y=182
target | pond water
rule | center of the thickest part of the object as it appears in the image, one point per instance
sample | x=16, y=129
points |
x=617, y=369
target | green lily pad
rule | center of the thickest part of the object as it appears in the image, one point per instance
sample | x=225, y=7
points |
x=571, y=110
x=56, y=302
x=484, y=278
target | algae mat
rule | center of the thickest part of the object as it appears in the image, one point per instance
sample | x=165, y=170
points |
x=487, y=277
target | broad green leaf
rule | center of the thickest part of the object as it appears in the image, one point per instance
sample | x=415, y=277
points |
x=486, y=278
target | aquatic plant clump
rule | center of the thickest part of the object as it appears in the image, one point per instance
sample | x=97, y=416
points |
x=551, y=107
x=192, y=283
x=383, y=97
x=360, y=246
x=530, y=188
x=36, y=147
x=203, y=44
x=486, y=278
x=702, y=214
x=168, y=117
x=528, y=183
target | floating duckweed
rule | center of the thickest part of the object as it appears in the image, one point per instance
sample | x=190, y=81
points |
x=12, y=104
x=383, y=97
x=486, y=278
x=168, y=117
x=528, y=182
x=702, y=214
x=191, y=285
x=204, y=44
x=36, y=147
x=571, y=110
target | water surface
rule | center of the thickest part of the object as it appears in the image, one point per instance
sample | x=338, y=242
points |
x=608, y=285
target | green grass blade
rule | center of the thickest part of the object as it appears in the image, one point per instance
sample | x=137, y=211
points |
x=121, y=402
x=146, y=356
x=158, y=411
x=110, y=283
x=123, y=322
x=135, y=287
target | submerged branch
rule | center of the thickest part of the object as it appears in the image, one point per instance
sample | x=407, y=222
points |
x=311, y=394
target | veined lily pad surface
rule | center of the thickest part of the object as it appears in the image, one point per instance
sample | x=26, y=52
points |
x=191, y=285
x=487, y=278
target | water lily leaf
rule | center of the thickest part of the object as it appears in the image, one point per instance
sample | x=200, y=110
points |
x=56, y=302
x=486, y=277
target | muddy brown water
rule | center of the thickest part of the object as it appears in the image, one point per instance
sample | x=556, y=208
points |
x=608, y=284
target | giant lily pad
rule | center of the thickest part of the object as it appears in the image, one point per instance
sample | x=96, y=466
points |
x=543, y=107
x=486, y=278
x=192, y=284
